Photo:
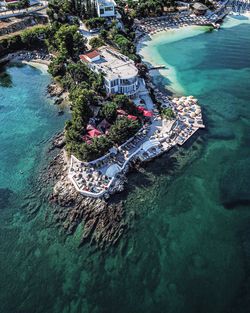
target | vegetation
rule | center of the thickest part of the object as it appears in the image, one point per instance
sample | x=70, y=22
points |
x=57, y=67
x=57, y=11
x=32, y=38
x=96, y=42
x=124, y=103
x=168, y=113
x=123, y=129
x=67, y=41
x=85, y=9
x=19, y=5
x=114, y=36
x=109, y=111
x=95, y=22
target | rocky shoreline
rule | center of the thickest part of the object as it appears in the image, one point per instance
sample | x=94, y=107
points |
x=103, y=222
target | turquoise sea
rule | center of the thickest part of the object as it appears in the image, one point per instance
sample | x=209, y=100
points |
x=188, y=247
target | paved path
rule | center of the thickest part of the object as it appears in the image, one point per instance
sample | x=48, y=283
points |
x=24, y=12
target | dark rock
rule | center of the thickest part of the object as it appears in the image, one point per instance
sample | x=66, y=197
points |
x=5, y=194
x=235, y=185
x=104, y=223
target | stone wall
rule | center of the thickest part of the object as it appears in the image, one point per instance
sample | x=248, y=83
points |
x=16, y=25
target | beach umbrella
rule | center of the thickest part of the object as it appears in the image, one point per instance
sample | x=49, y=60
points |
x=147, y=113
x=94, y=133
x=132, y=117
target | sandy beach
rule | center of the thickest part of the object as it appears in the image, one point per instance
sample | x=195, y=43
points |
x=147, y=48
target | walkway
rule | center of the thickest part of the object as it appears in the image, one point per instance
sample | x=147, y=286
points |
x=37, y=9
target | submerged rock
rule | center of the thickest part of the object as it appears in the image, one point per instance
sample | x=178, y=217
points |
x=5, y=194
x=222, y=133
x=235, y=184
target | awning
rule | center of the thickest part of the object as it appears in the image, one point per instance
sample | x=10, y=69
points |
x=149, y=144
x=113, y=170
x=147, y=113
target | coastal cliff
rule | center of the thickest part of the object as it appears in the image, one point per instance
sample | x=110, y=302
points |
x=103, y=222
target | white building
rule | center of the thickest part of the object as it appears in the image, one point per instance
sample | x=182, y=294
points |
x=106, y=8
x=120, y=73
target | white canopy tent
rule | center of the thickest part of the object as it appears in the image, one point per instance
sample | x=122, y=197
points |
x=112, y=170
x=149, y=144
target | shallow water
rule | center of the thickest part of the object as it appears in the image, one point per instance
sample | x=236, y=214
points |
x=188, y=248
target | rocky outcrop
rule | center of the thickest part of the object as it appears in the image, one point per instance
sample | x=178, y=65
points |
x=55, y=90
x=103, y=222
x=58, y=141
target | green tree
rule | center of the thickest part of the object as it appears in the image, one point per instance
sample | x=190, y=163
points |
x=57, y=66
x=168, y=113
x=68, y=41
x=122, y=130
x=109, y=111
x=96, y=42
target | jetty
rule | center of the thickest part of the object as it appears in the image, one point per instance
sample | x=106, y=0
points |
x=157, y=67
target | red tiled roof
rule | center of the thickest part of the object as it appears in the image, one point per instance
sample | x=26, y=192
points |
x=83, y=58
x=90, y=55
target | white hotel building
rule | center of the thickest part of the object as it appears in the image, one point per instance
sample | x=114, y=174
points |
x=120, y=73
x=106, y=8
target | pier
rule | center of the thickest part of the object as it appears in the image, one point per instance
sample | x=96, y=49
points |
x=158, y=67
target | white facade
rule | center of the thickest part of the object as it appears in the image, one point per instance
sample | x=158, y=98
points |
x=105, y=8
x=120, y=73
x=128, y=86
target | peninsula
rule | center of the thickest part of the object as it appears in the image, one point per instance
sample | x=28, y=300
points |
x=119, y=118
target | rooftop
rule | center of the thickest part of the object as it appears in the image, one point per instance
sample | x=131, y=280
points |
x=112, y=63
x=106, y=2
x=200, y=6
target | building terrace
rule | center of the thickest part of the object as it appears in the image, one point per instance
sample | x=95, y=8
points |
x=120, y=73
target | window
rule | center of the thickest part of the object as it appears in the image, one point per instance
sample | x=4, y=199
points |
x=109, y=8
x=114, y=82
x=101, y=11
